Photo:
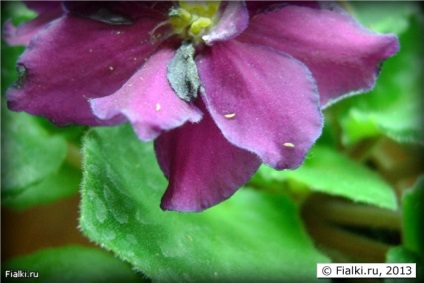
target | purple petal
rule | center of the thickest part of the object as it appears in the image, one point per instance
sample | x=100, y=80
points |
x=256, y=7
x=127, y=9
x=342, y=55
x=74, y=60
x=22, y=35
x=263, y=101
x=234, y=20
x=203, y=168
x=44, y=6
x=148, y=101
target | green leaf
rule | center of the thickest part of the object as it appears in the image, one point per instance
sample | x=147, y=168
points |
x=30, y=154
x=413, y=218
x=393, y=108
x=412, y=249
x=252, y=236
x=56, y=186
x=402, y=255
x=18, y=11
x=384, y=16
x=34, y=166
x=71, y=264
x=9, y=74
x=328, y=171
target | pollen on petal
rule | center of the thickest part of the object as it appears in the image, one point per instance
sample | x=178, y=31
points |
x=230, y=115
x=288, y=144
x=158, y=107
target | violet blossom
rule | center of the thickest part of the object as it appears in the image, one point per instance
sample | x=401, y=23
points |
x=47, y=12
x=221, y=87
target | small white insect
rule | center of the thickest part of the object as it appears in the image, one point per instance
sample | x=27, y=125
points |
x=288, y=144
x=230, y=115
x=158, y=107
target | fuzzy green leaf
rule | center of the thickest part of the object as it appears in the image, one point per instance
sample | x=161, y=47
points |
x=413, y=218
x=394, y=107
x=252, y=236
x=30, y=154
x=34, y=166
x=328, y=171
x=402, y=255
x=71, y=264
x=412, y=249
x=56, y=186
x=384, y=16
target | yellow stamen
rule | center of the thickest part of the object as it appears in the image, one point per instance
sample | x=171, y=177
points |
x=199, y=25
x=193, y=19
x=179, y=17
x=205, y=9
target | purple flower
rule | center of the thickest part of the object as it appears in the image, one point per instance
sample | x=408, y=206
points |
x=48, y=11
x=220, y=88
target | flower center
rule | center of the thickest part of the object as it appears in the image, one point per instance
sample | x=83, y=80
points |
x=193, y=19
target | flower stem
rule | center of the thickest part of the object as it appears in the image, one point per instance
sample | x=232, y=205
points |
x=325, y=216
x=398, y=163
x=357, y=215
x=357, y=247
x=362, y=150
